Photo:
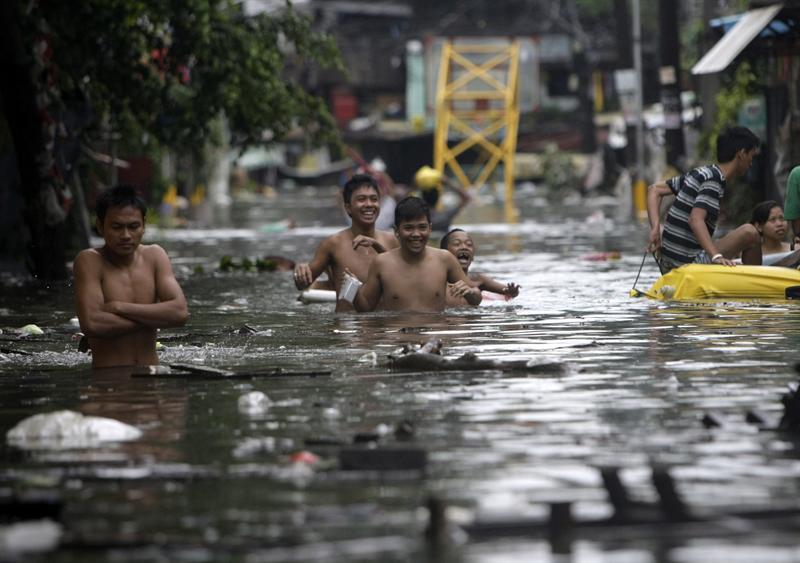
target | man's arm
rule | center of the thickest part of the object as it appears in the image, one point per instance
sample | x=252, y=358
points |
x=655, y=193
x=305, y=273
x=697, y=222
x=370, y=293
x=170, y=310
x=461, y=286
x=490, y=284
x=89, y=301
x=376, y=245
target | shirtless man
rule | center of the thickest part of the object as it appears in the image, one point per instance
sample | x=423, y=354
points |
x=353, y=248
x=124, y=290
x=458, y=243
x=414, y=277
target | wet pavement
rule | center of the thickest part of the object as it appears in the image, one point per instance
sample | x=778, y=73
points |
x=211, y=482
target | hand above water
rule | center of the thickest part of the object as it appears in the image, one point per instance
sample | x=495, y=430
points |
x=654, y=243
x=303, y=277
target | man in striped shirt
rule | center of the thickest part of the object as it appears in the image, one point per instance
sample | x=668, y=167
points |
x=692, y=219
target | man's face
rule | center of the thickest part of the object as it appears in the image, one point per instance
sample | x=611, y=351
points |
x=122, y=229
x=461, y=246
x=413, y=233
x=364, y=206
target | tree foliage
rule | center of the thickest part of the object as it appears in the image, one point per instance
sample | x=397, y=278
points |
x=169, y=67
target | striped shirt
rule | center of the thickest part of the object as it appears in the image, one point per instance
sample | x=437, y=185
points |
x=703, y=187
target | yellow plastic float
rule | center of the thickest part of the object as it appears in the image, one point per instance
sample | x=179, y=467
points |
x=711, y=281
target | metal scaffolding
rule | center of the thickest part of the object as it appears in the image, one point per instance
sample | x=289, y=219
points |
x=477, y=108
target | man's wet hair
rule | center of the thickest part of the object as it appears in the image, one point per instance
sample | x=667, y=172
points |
x=121, y=195
x=446, y=238
x=761, y=211
x=409, y=208
x=734, y=139
x=358, y=181
x=430, y=196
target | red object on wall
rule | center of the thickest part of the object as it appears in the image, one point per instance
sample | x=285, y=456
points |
x=345, y=106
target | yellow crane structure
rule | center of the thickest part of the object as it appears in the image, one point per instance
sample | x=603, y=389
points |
x=477, y=107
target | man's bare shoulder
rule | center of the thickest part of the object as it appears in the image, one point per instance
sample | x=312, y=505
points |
x=387, y=239
x=152, y=251
x=343, y=237
x=442, y=254
x=90, y=258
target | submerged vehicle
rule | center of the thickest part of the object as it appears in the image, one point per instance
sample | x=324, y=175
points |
x=712, y=281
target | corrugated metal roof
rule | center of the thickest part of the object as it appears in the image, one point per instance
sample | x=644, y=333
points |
x=736, y=39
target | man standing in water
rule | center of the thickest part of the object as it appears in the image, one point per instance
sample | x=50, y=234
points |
x=124, y=290
x=353, y=248
x=414, y=277
x=692, y=218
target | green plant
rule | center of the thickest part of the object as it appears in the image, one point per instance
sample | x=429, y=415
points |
x=729, y=102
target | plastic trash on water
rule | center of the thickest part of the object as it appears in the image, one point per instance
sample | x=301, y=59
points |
x=350, y=288
x=30, y=330
x=68, y=429
x=253, y=403
x=35, y=536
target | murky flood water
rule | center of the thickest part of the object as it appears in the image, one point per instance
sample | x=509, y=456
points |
x=209, y=482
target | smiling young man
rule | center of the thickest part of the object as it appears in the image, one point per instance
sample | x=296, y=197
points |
x=353, y=248
x=125, y=290
x=458, y=243
x=692, y=218
x=414, y=277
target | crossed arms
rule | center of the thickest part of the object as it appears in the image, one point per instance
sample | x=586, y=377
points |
x=101, y=319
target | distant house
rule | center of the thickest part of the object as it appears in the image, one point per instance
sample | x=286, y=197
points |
x=768, y=36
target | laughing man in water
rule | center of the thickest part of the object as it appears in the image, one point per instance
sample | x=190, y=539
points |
x=692, y=218
x=414, y=277
x=353, y=248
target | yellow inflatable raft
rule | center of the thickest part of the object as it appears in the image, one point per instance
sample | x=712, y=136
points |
x=710, y=281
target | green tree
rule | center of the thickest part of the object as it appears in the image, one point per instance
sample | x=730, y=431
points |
x=164, y=68
x=172, y=66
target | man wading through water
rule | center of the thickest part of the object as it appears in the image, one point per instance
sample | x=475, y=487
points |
x=125, y=290
x=353, y=248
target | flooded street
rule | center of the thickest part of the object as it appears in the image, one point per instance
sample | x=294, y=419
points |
x=209, y=481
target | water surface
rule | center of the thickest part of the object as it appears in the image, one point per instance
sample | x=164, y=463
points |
x=208, y=482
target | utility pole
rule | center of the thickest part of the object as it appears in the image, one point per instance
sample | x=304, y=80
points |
x=670, y=79
x=639, y=186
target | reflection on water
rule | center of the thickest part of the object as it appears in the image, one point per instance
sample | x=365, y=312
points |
x=208, y=482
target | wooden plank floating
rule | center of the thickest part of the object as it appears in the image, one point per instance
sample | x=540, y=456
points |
x=428, y=358
x=4, y=350
x=383, y=459
x=193, y=371
x=670, y=517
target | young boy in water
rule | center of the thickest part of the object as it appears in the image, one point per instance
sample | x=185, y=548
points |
x=353, y=248
x=414, y=277
x=460, y=245
x=125, y=290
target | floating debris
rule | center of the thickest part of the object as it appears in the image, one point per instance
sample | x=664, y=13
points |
x=253, y=403
x=428, y=358
x=304, y=457
x=30, y=330
x=36, y=536
x=383, y=459
x=69, y=429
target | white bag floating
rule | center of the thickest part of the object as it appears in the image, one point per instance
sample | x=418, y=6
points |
x=69, y=429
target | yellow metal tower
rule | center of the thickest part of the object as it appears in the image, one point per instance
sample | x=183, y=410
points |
x=477, y=107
